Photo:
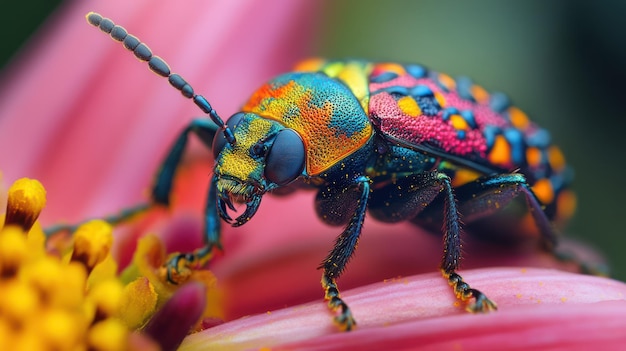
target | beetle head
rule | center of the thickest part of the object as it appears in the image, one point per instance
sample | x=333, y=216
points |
x=266, y=155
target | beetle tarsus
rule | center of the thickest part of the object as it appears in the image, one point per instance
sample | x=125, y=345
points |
x=179, y=266
x=464, y=292
x=344, y=319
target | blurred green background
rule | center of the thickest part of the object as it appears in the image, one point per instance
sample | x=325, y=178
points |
x=562, y=61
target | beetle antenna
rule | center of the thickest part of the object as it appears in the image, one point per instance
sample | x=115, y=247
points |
x=158, y=66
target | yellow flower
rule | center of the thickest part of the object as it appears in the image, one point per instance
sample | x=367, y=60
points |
x=71, y=298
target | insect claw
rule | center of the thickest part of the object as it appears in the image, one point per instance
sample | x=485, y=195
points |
x=222, y=209
x=251, y=208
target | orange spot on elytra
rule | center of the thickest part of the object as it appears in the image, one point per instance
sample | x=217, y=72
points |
x=464, y=176
x=529, y=226
x=390, y=67
x=458, y=122
x=500, y=152
x=310, y=65
x=565, y=205
x=518, y=118
x=543, y=190
x=480, y=94
x=556, y=158
x=447, y=81
x=440, y=99
x=533, y=156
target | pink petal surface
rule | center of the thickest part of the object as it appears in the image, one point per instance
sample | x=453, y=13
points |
x=538, y=309
x=179, y=314
x=80, y=114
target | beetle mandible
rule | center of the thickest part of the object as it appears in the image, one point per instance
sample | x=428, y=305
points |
x=397, y=140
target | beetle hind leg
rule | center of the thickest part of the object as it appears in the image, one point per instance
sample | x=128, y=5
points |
x=464, y=292
x=452, y=253
x=344, y=319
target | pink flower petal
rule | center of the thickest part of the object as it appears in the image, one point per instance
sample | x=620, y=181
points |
x=538, y=309
x=176, y=318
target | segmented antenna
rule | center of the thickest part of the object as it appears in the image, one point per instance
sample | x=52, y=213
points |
x=158, y=66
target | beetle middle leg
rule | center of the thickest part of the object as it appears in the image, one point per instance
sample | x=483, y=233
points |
x=405, y=197
x=334, y=264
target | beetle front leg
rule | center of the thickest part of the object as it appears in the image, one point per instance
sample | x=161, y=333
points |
x=334, y=264
x=452, y=252
x=162, y=188
x=160, y=193
x=179, y=265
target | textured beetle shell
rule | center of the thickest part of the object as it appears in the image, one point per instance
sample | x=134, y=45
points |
x=452, y=119
x=326, y=114
x=457, y=119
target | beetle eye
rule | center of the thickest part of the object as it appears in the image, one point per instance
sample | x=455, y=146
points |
x=285, y=159
x=219, y=141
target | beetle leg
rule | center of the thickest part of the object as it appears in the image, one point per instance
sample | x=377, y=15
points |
x=178, y=266
x=452, y=251
x=205, y=129
x=488, y=195
x=334, y=264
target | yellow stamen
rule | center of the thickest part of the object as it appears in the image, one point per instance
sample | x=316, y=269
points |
x=138, y=303
x=13, y=250
x=18, y=301
x=106, y=298
x=92, y=243
x=108, y=335
x=26, y=199
x=61, y=329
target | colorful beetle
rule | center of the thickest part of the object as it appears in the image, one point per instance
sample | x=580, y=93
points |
x=401, y=141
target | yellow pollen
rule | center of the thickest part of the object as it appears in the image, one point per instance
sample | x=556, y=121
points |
x=26, y=199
